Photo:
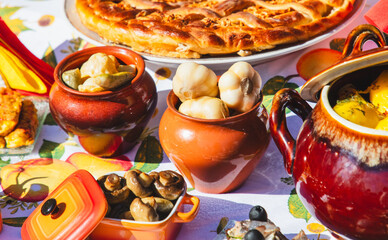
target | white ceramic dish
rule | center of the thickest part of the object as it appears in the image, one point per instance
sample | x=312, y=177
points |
x=212, y=62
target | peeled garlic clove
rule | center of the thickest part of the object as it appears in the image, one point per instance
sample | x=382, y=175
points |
x=205, y=107
x=193, y=80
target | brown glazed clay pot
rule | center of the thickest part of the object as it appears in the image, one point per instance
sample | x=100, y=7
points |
x=107, y=123
x=340, y=169
x=218, y=155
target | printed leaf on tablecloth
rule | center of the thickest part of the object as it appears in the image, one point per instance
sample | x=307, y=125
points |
x=51, y=149
x=149, y=155
x=50, y=120
x=74, y=45
x=15, y=24
x=287, y=180
x=3, y=162
x=14, y=222
x=337, y=44
x=273, y=85
x=49, y=57
x=14, y=205
x=296, y=207
x=222, y=224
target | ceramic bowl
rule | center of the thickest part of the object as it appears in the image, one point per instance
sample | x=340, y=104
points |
x=167, y=229
x=107, y=123
x=340, y=169
x=218, y=155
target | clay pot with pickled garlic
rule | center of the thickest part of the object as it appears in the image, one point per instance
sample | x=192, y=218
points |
x=340, y=168
x=214, y=155
x=107, y=123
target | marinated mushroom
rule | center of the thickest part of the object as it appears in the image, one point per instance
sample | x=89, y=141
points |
x=168, y=184
x=139, y=183
x=163, y=206
x=117, y=210
x=145, y=212
x=126, y=215
x=114, y=188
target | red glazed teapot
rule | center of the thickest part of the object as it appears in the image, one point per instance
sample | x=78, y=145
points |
x=340, y=169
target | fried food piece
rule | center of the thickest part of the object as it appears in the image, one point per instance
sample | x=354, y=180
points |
x=10, y=107
x=2, y=142
x=24, y=133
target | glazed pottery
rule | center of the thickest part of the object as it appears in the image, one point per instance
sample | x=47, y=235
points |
x=216, y=155
x=78, y=211
x=107, y=123
x=340, y=169
x=167, y=229
x=1, y=222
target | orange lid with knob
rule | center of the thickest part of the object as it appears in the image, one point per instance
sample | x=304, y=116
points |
x=70, y=212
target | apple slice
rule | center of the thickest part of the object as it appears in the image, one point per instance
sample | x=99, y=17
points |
x=316, y=61
x=32, y=180
x=98, y=166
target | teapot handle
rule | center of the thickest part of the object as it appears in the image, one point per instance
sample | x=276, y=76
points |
x=358, y=36
x=290, y=98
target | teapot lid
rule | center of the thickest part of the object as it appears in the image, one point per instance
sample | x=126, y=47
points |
x=71, y=211
x=353, y=59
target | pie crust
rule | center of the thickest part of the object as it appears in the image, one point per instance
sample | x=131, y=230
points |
x=193, y=28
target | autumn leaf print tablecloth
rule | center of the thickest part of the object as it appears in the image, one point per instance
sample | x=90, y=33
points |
x=42, y=27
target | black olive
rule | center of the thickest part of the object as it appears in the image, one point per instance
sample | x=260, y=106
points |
x=253, y=234
x=258, y=213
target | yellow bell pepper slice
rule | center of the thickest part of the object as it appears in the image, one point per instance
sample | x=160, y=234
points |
x=17, y=75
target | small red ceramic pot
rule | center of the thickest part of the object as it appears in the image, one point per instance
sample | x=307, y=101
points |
x=340, y=169
x=216, y=155
x=107, y=123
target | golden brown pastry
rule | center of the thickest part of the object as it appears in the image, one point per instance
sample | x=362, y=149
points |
x=190, y=29
x=25, y=131
x=10, y=107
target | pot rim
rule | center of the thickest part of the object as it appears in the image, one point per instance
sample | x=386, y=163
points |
x=172, y=107
x=373, y=57
x=346, y=123
x=112, y=50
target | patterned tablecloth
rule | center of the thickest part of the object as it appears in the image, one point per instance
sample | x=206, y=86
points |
x=43, y=27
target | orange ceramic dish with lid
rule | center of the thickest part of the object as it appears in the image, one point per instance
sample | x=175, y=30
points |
x=71, y=211
x=76, y=210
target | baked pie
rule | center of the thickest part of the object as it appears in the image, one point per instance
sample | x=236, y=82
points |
x=194, y=28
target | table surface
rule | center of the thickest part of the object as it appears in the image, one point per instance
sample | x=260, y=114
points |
x=43, y=28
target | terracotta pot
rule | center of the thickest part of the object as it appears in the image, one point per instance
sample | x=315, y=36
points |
x=218, y=155
x=107, y=123
x=340, y=169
